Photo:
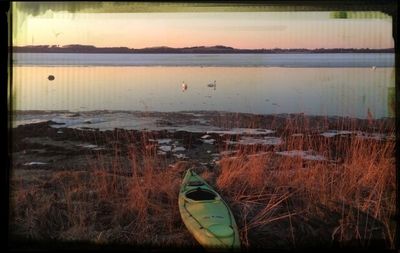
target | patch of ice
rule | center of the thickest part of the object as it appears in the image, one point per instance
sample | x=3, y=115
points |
x=345, y=132
x=210, y=141
x=80, y=128
x=178, y=149
x=328, y=135
x=192, y=128
x=34, y=163
x=180, y=156
x=306, y=155
x=103, y=120
x=19, y=122
x=205, y=136
x=201, y=121
x=161, y=153
x=332, y=133
x=74, y=121
x=107, y=121
x=164, y=141
x=91, y=146
x=165, y=148
x=242, y=131
x=193, y=114
x=60, y=132
x=245, y=140
x=256, y=131
x=209, y=151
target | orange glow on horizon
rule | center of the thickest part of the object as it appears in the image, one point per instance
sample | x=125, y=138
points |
x=238, y=30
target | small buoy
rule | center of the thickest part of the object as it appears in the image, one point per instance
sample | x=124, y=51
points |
x=51, y=77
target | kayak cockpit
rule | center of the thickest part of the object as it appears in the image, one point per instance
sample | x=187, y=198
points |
x=200, y=194
x=195, y=183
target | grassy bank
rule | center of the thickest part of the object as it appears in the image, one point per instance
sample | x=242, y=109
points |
x=346, y=199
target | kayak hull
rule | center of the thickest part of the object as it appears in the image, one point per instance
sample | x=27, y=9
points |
x=206, y=215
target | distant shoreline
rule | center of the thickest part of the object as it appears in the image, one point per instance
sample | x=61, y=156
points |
x=87, y=49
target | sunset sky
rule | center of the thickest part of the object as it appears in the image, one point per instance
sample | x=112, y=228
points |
x=185, y=29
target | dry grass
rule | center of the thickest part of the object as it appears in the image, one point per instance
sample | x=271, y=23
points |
x=351, y=193
x=278, y=201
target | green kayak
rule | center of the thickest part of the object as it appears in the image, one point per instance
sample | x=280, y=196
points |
x=206, y=215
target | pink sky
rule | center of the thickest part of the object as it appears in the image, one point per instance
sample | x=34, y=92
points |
x=236, y=29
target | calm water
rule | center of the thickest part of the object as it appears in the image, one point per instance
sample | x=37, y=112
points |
x=106, y=82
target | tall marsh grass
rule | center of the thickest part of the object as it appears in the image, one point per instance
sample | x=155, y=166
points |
x=278, y=201
x=351, y=193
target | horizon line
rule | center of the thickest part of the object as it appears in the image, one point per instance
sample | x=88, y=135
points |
x=198, y=46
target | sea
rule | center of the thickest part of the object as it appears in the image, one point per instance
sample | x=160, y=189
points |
x=357, y=85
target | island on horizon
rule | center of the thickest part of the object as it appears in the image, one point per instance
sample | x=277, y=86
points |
x=218, y=49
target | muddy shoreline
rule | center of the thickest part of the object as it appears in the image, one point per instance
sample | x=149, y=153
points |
x=52, y=145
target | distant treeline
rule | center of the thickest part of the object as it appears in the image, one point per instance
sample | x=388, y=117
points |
x=185, y=50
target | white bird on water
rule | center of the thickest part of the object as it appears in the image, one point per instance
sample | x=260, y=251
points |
x=213, y=85
x=184, y=86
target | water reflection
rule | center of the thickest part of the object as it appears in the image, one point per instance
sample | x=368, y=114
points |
x=316, y=91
